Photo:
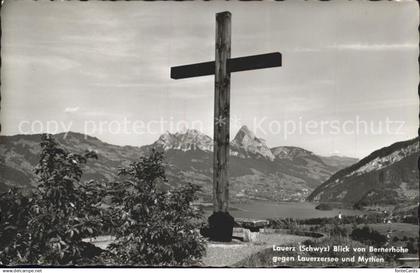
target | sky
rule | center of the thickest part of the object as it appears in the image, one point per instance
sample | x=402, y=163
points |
x=92, y=67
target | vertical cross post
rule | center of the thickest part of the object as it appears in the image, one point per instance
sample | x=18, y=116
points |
x=221, y=223
x=221, y=112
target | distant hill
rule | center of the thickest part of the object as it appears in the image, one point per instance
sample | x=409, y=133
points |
x=20, y=154
x=387, y=176
x=256, y=171
x=340, y=162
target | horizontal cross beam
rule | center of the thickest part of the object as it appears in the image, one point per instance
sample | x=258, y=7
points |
x=233, y=65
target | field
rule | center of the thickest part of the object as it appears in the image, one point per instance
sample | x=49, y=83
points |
x=398, y=229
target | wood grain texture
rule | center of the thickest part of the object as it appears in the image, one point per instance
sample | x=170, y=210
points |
x=221, y=113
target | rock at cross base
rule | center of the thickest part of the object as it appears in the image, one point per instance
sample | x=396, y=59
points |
x=221, y=227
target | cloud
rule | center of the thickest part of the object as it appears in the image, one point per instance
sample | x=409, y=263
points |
x=360, y=46
x=55, y=63
x=356, y=46
x=304, y=49
x=71, y=109
x=124, y=85
x=401, y=103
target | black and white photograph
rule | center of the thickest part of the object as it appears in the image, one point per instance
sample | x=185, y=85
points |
x=239, y=134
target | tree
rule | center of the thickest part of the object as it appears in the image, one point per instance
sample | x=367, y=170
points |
x=155, y=227
x=65, y=210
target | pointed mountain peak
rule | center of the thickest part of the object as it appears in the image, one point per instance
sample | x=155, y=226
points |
x=245, y=129
x=245, y=132
x=246, y=144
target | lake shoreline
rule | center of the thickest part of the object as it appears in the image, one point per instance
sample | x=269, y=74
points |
x=272, y=210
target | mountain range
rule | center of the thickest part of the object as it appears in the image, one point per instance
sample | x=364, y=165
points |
x=388, y=176
x=256, y=170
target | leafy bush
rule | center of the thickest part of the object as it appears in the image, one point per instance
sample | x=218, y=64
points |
x=338, y=230
x=155, y=227
x=412, y=245
x=368, y=236
x=63, y=210
x=14, y=217
x=48, y=226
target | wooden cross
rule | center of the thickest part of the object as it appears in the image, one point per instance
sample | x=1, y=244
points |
x=221, y=223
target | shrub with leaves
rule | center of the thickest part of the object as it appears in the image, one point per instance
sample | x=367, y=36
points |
x=14, y=217
x=368, y=236
x=65, y=210
x=156, y=227
x=338, y=230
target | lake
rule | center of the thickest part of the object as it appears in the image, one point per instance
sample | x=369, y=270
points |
x=266, y=209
